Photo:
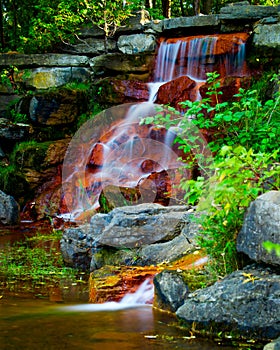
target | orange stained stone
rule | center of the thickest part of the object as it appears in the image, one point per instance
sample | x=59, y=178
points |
x=111, y=283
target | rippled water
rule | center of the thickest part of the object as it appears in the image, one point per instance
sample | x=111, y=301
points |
x=39, y=324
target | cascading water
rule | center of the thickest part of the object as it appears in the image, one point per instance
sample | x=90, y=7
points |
x=117, y=157
x=128, y=163
x=193, y=57
x=143, y=296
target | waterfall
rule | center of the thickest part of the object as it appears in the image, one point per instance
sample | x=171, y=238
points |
x=195, y=56
x=115, y=157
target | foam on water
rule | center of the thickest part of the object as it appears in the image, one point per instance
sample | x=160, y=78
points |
x=142, y=297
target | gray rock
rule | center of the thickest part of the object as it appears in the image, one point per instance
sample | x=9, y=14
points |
x=274, y=345
x=92, y=46
x=2, y=153
x=170, y=291
x=261, y=223
x=143, y=224
x=247, y=301
x=76, y=247
x=43, y=60
x=266, y=38
x=242, y=11
x=137, y=43
x=13, y=131
x=121, y=63
x=191, y=22
x=45, y=78
x=95, y=249
x=9, y=210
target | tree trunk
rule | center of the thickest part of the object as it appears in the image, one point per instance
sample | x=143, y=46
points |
x=2, y=41
x=207, y=6
x=182, y=8
x=149, y=4
x=14, y=10
x=196, y=6
x=166, y=8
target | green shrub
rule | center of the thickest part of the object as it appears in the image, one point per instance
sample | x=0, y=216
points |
x=241, y=162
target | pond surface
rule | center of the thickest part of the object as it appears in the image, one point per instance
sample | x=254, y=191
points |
x=59, y=317
x=39, y=324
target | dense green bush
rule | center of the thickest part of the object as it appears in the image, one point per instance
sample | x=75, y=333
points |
x=242, y=161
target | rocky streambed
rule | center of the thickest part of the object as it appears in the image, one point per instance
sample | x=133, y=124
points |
x=244, y=304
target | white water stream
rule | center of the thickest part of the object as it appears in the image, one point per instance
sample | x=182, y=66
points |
x=142, y=297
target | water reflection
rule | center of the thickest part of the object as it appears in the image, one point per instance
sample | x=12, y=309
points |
x=38, y=324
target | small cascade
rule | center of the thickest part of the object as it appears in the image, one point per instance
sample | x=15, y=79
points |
x=193, y=57
x=143, y=296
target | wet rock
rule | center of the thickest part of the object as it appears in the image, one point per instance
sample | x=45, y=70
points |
x=76, y=245
x=176, y=91
x=246, y=301
x=9, y=210
x=229, y=87
x=112, y=283
x=170, y=291
x=136, y=43
x=261, y=223
x=117, y=91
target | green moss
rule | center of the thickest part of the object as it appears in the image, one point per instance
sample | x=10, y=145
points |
x=14, y=184
x=30, y=154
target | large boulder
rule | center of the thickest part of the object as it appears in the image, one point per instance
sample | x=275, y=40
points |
x=176, y=91
x=261, y=224
x=118, y=63
x=137, y=43
x=124, y=237
x=9, y=210
x=42, y=60
x=170, y=291
x=53, y=108
x=247, y=301
x=46, y=77
x=117, y=91
x=143, y=224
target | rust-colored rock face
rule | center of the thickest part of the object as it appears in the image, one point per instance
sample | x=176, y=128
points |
x=177, y=90
x=112, y=283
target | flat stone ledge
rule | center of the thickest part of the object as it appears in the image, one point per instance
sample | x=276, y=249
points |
x=43, y=60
